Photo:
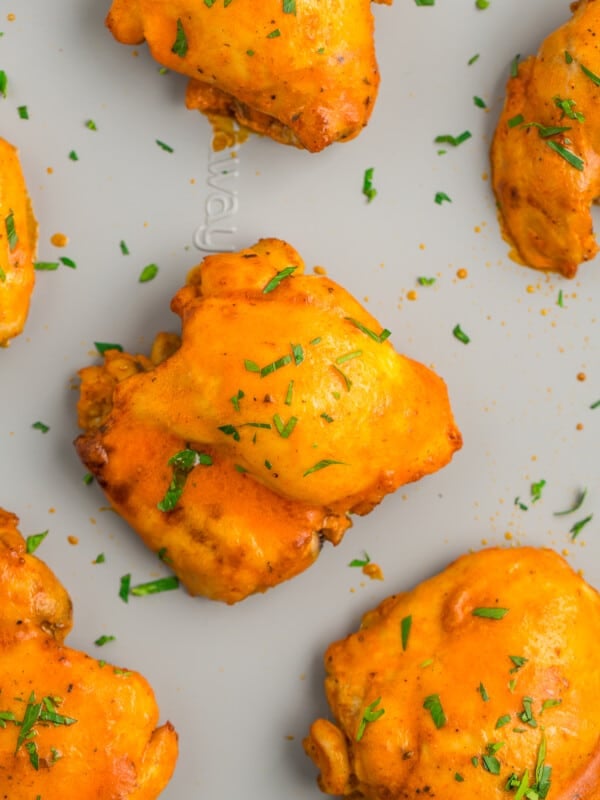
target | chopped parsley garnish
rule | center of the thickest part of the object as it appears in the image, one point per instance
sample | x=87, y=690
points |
x=182, y=463
x=275, y=365
x=102, y=347
x=566, y=106
x=568, y=57
x=546, y=131
x=3, y=83
x=518, y=661
x=251, y=366
x=536, y=490
x=88, y=478
x=23, y=112
x=447, y=138
x=493, y=612
x=551, y=703
x=164, y=146
x=33, y=542
x=502, y=721
x=526, y=715
x=473, y=59
x=289, y=394
x=249, y=52
x=459, y=334
x=482, y=4
x=73, y=155
x=518, y=119
x=100, y=559
x=491, y=764
x=289, y=6
x=405, y=626
x=458, y=777
x=102, y=640
x=576, y=505
x=67, y=262
x=180, y=45
x=326, y=417
x=344, y=377
x=424, y=2
x=149, y=272
x=91, y=125
x=589, y=74
x=433, y=704
x=361, y=562
x=325, y=462
x=284, y=429
x=2, y=275
x=570, y=157
x=514, y=66
x=595, y=404
x=276, y=279
x=367, y=188
x=479, y=102
x=579, y=526
x=422, y=281
x=442, y=197
x=297, y=353
x=46, y=266
x=274, y=34
x=45, y=712
x=348, y=357
x=156, y=586
x=520, y=504
x=483, y=692
x=124, y=248
x=40, y=426
x=11, y=233
x=370, y=714
x=559, y=299
x=235, y=400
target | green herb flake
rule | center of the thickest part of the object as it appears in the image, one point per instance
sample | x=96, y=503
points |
x=482, y=4
x=576, y=505
x=100, y=559
x=180, y=45
x=344, y=377
x=34, y=541
x=73, y=155
x=370, y=714
x=475, y=761
x=289, y=394
x=442, y=197
x=3, y=83
x=551, y=703
x=570, y=157
x=276, y=279
x=156, y=586
x=579, y=526
x=124, y=248
x=102, y=640
x=46, y=266
x=124, y=587
x=423, y=281
x=526, y=715
x=91, y=125
x=149, y=272
x=589, y=74
x=522, y=506
x=459, y=334
x=11, y=232
x=479, y=102
x=88, y=478
x=297, y=353
x=23, y=112
x=483, y=692
x=473, y=59
x=595, y=404
x=491, y=764
x=275, y=365
x=405, y=626
x=274, y=34
x=284, y=429
x=566, y=106
x=68, y=262
x=325, y=462
x=518, y=119
x=502, y=721
x=361, y=562
x=164, y=146
x=102, y=347
x=249, y=52
x=239, y=468
x=487, y=612
x=32, y=752
x=560, y=299
x=251, y=366
x=458, y=777
x=289, y=6
x=348, y=357
x=433, y=704
x=514, y=66
x=455, y=141
x=568, y=57
x=377, y=337
x=40, y=426
x=235, y=400
x=536, y=490
x=182, y=464
x=518, y=661
x=2, y=275
x=367, y=188
x=424, y=2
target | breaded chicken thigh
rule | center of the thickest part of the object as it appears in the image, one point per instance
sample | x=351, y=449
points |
x=481, y=682
x=70, y=726
x=284, y=409
x=18, y=245
x=546, y=149
x=299, y=71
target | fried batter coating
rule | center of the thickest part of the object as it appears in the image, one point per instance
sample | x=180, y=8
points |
x=303, y=73
x=546, y=149
x=480, y=682
x=68, y=725
x=295, y=396
x=18, y=245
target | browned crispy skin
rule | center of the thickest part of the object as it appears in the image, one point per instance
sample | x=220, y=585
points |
x=114, y=749
x=543, y=200
x=307, y=78
x=18, y=245
x=481, y=670
x=306, y=414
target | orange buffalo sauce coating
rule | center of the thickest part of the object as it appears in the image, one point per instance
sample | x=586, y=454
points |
x=18, y=245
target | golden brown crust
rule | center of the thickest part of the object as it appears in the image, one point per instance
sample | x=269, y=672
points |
x=17, y=250
x=273, y=387
x=483, y=671
x=543, y=200
x=114, y=748
x=307, y=78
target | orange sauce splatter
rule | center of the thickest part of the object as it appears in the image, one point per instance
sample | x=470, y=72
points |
x=49, y=170
x=411, y=295
x=579, y=426
x=581, y=376
x=373, y=571
x=59, y=239
x=11, y=17
x=319, y=270
x=72, y=540
x=462, y=273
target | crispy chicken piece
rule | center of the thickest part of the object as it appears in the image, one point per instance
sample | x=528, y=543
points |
x=302, y=72
x=546, y=150
x=68, y=725
x=18, y=245
x=480, y=682
x=295, y=404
